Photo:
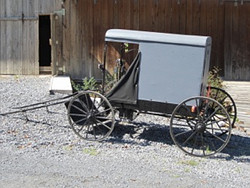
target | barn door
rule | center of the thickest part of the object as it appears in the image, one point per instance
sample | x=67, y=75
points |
x=56, y=43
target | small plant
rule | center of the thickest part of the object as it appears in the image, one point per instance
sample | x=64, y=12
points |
x=213, y=78
x=17, y=77
x=90, y=151
x=68, y=147
x=87, y=84
x=190, y=163
x=208, y=150
x=126, y=45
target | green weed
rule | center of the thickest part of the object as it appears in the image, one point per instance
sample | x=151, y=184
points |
x=190, y=162
x=90, y=151
x=87, y=84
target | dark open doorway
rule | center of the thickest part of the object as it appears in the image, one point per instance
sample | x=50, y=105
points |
x=44, y=45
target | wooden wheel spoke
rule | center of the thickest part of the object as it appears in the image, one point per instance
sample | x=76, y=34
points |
x=104, y=111
x=76, y=107
x=182, y=125
x=222, y=101
x=100, y=105
x=219, y=126
x=105, y=124
x=190, y=137
x=87, y=100
x=94, y=131
x=80, y=129
x=182, y=133
x=195, y=141
x=197, y=107
x=87, y=132
x=93, y=104
x=214, y=129
x=77, y=115
x=80, y=120
x=215, y=136
x=100, y=130
x=211, y=115
x=81, y=103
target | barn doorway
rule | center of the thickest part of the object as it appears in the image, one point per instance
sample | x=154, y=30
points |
x=44, y=44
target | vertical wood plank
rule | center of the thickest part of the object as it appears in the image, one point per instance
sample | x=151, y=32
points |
x=220, y=37
x=235, y=42
x=3, y=49
x=2, y=38
x=228, y=38
x=247, y=50
x=212, y=17
x=243, y=53
x=144, y=12
x=134, y=16
x=75, y=45
x=168, y=16
x=67, y=37
x=176, y=12
x=189, y=17
x=196, y=17
x=184, y=14
x=203, y=17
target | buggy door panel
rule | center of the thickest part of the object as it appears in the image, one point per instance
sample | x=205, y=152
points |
x=170, y=72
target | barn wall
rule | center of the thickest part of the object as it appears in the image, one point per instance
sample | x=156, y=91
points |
x=228, y=23
x=19, y=21
x=237, y=41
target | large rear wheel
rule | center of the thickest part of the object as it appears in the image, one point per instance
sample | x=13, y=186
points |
x=200, y=126
x=226, y=100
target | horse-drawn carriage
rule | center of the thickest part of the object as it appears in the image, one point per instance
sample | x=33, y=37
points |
x=167, y=77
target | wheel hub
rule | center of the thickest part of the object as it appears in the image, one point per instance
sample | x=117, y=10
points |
x=200, y=127
x=91, y=117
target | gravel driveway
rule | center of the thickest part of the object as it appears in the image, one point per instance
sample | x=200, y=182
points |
x=44, y=152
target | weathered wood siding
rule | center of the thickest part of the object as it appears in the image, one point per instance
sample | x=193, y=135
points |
x=228, y=23
x=19, y=34
x=237, y=41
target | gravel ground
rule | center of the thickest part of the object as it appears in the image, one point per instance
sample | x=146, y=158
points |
x=44, y=152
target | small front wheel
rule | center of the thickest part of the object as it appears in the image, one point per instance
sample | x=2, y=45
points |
x=91, y=116
x=200, y=126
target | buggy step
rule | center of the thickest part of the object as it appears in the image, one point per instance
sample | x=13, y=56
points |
x=60, y=84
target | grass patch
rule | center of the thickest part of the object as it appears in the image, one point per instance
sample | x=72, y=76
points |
x=187, y=170
x=90, y=151
x=68, y=148
x=190, y=163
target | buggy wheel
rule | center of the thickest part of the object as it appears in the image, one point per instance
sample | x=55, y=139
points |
x=200, y=126
x=91, y=116
x=226, y=100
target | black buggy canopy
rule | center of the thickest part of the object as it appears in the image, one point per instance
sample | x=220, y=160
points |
x=126, y=89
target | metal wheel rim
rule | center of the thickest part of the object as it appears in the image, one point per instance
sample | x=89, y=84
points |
x=94, y=121
x=200, y=135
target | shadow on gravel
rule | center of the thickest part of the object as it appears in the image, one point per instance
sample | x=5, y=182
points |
x=140, y=134
x=238, y=146
x=144, y=134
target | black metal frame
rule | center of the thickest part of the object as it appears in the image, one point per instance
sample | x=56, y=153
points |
x=35, y=106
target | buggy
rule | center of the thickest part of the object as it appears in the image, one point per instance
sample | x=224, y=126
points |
x=167, y=77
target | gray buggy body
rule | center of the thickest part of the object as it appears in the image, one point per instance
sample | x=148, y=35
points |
x=172, y=67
